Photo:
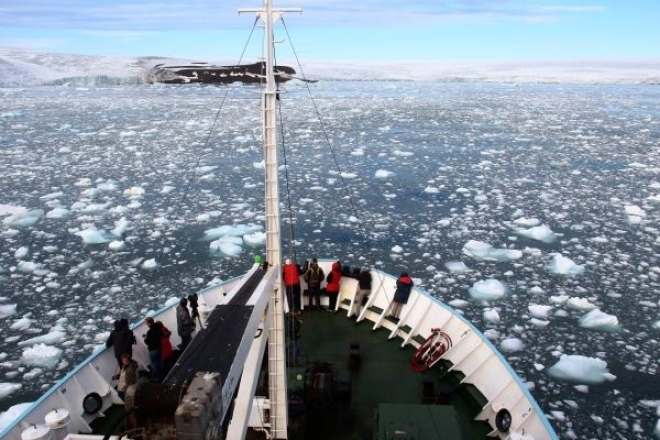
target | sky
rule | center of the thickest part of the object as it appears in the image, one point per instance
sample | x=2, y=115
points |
x=341, y=30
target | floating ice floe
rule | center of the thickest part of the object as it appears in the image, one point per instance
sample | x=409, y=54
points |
x=229, y=245
x=230, y=231
x=22, y=324
x=397, y=249
x=41, y=355
x=21, y=252
x=121, y=226
x=23, y=219
x=526, y=222
x=488, y=290
x=540, y=233
x=597, y=320
x=539, y=311
x=383, y=174
x=564, y=266
x=7, y=310
x=58, y=213
x=486, y=252
x=49, y=338
x=491, y=315
x=635, y=214
x=117, y=245
x=579, y=304
x=135, y=191
x=580, y=369
x=149, y=264
x=254, y=239
x=7, y=388
x=95, y=236
x=457, y=267
x=511, y=345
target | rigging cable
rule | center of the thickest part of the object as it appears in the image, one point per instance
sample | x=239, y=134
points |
x=360, y=224
x=192, y=178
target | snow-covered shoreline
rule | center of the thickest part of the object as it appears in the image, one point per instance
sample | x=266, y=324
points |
x=20, y=68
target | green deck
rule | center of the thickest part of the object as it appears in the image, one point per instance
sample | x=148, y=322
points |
x=387, y=399
x=383, y=377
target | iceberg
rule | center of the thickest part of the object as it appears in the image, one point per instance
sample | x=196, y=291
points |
x=23, y=219
x=41, y=355
x=581, y=369
x=486, y=252
x=564, y=266
x=539, y=233
x=488, y=290
x=598, y=320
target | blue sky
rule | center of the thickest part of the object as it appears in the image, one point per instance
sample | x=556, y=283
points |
x=343, y=30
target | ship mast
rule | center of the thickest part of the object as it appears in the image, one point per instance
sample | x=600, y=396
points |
x=276, y=337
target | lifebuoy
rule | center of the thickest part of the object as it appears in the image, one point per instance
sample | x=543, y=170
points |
x=430, y=351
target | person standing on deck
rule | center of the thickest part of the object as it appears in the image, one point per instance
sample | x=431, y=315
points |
x=153, y=340
x=313, y=278
x=184, y=323
x=334, y=283
x=121, y=339
x=291, y=276
x=404, y=286
x=127, y=374
x=364, y=281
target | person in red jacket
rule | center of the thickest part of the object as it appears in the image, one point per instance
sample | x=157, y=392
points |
x=334, y=282
x=291, y=277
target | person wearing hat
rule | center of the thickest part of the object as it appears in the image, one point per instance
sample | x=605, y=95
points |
x=364, y=283
x=404, y=286
x=291, y=277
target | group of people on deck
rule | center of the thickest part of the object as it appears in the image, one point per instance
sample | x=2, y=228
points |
x=162, y=354
x=314, y=276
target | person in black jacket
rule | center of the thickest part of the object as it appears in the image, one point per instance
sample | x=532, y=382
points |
x=154, y=344
x=362, y=295
x=121, y=339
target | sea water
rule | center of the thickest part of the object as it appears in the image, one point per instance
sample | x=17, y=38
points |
x=549, y=192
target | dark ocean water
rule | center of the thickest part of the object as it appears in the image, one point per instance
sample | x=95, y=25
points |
x=461, y=162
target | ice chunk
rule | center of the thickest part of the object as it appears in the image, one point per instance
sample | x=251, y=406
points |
x=579, y=304
x=8, y=388
x=383, y=174
x=488, y=289
x=22, y=324
x=23, y=219
x=456, y=267
x=254, y=239
x=564, y=266
x=149, y=264
x=230, y=231
x=539, y=311
x=21, y=252
x=41, y=355
x=581, y=369
x=117, y=245
x=49, y=338
x=598, y=320
x=539, y=233
x=486, y=252
x=58, y=213
x=526, y=222
x=7, y=310
x=511, y=345
x=95, y=236
x=491, y=315
x=230, y=246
